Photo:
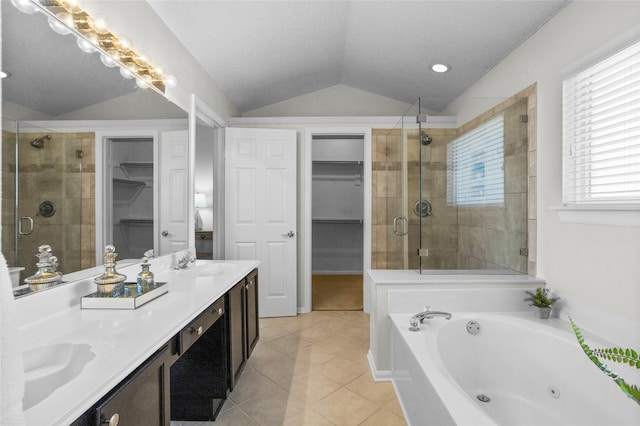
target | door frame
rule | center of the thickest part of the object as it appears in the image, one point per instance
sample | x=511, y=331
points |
x=365, y=132
x=200, y=111
x=103, y=174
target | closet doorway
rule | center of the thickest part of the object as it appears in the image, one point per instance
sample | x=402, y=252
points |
x=130, y=184
x=337, y=221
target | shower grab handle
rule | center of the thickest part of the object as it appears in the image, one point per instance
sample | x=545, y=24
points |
x=29, y=221
x=404, y=231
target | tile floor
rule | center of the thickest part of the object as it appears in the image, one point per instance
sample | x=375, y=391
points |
x=310, y=370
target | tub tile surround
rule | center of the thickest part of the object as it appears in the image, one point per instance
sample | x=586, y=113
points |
x=54, y=316
x=407, y=291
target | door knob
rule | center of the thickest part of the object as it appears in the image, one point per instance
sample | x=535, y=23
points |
x=165, y=233
x=289, y=234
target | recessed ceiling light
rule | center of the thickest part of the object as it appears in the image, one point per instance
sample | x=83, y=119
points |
x=440, y=68
x=5, y=74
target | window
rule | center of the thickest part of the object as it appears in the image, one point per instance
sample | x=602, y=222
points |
x=601, y=133
x=475, y=160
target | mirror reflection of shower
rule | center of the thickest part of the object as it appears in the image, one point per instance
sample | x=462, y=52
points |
x=39, y=142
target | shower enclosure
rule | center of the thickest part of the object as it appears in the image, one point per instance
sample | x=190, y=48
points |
x=47, y=196
x=453, y=196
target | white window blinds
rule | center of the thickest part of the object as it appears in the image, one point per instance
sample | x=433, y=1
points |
x=601, y=132
x=475, y=166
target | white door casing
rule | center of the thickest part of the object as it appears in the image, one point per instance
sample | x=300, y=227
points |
x=260, y=211
x=174, y=192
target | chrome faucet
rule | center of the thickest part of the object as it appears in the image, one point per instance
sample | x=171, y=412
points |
x=419, y=318
x=184, y=261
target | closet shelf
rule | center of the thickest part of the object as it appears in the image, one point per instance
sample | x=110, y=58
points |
x=127, y=221
x=137, y=169
x=336, y=161
x=336, y=220
x=128, y=189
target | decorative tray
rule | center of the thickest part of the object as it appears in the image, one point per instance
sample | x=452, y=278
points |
x=128, y=298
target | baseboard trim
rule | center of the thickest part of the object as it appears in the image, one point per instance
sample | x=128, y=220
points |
x=378, y=375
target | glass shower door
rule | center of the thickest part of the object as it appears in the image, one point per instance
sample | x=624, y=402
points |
x=50, y=202
x=390, y=214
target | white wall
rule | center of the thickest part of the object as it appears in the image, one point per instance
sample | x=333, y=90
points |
x=599, y=265
x=338, y=100
x=149, y=34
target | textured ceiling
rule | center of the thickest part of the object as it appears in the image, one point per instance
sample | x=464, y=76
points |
x=262, y=52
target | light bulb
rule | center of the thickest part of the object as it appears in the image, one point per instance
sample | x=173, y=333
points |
x=58, y=26
x=99, y=25
x=85, y=45
x=126, y=73
x=108, y=60
x=66, y=19
x=142, y=83
x=170, y=81
x=124, y=44
x=24, y=6
x=72, y=6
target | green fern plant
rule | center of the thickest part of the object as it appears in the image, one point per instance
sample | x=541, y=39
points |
x=623, y=356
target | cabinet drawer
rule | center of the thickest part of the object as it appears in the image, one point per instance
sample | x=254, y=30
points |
x=204, y=235
x=196, y=328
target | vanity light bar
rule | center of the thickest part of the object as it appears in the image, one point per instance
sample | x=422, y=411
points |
x=115, y=50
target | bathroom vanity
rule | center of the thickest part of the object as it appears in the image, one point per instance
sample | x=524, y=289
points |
x=175, y=358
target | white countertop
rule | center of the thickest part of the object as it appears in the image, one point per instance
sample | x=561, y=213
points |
x=120, y=339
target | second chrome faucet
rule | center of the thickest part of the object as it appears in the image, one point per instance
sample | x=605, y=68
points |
x=419, y=318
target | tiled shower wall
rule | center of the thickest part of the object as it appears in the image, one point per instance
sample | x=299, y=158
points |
x=457, y=238
x=62, y=172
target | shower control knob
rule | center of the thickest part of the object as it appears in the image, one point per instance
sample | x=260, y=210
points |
x=165, y=233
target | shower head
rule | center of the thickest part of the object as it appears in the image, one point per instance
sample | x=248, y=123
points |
x=39, y=142
x=425, y=139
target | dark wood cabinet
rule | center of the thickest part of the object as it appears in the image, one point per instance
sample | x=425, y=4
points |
x=191, y=376
x=204, y=244
x=242, y=305
x=199, y=377
x=251, y=317
x=236, y=310
x=142, y=395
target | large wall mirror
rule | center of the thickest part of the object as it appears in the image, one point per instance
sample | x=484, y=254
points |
x=59, y=106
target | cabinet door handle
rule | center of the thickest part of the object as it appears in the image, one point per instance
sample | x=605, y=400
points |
x=113, y=420
x=219, y=311
x=198, y=330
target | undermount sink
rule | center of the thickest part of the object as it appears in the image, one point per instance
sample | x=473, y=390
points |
x=48, y=367
x=204, y=269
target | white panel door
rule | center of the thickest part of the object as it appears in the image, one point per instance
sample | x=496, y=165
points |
x=174, y=191
x=260, y=211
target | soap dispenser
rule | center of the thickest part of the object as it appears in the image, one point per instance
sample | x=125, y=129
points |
x=110, y=283
x=145, y=277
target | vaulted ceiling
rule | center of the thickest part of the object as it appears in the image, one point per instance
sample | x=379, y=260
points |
x=262, y=52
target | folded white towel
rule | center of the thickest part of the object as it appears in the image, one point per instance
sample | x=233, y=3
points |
x=11, y=365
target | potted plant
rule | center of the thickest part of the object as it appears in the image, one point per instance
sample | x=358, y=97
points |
x=541, y=302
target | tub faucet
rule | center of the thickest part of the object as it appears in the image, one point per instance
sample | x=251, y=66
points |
x=419, y=318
